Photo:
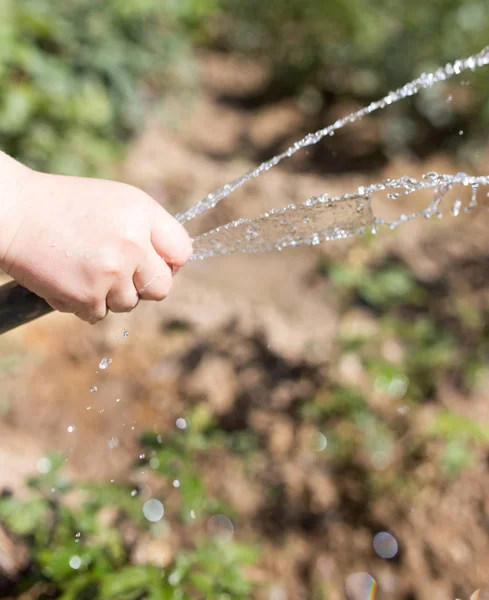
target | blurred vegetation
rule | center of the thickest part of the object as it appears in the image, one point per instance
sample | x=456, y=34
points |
x=78, y=78
x=325, y=52
x=88, y=551
x=415, y=338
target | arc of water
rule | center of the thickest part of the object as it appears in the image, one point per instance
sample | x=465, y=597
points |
x=426, y=80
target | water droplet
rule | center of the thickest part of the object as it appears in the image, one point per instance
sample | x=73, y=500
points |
x=117, y=399
x=456, y=207
x=385, y=545
x=77, y=534
x=320, y=442
x=125, y=333
x=93, y=389
x=176, y=483
x=251, y=234
x=134, y=493
x=105, y=363
x=154, y=463
x=70, y=429
x=448, y=99
x=69, y=254
x=192, y=514
x=398, y=387
x=113, y=443
x=44, y=465
x=220, y=527
x=153, y=510
x=461, y=132
x=75, y=562
x=360, y=586
x=181, y=423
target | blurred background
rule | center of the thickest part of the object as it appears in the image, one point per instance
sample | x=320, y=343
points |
x=312, y=424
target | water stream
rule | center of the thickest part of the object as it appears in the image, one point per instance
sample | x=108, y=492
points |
x=328, y=217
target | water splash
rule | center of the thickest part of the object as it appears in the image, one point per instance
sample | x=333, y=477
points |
x=424, y=81
x=326, y=217
x=323, y=218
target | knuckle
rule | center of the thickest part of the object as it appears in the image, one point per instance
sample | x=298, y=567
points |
x=123, y=304
x=109, y=265
x=89, y=299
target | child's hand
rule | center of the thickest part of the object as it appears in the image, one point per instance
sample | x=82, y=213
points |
x=86, y=246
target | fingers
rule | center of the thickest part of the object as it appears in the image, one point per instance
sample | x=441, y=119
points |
x=153, y=280
x=91, y=313
x=169, y=238
x=123, y=296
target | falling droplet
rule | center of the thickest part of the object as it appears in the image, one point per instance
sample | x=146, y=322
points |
x=220, y=527
x=153, y=510
x=320, y=442
x=75, y=562
x=113, y=443
x=456, y=207
x=105, y=363
x=385, y=545
x=44, y=465
x=181, y=423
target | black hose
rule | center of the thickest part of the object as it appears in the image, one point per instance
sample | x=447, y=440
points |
x=19, y=306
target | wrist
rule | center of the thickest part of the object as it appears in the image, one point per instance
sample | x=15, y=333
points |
x=13, y=177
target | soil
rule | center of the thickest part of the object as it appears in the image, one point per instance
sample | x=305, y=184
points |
x=253, y=337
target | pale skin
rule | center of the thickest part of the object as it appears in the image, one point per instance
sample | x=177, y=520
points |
x=86, y=246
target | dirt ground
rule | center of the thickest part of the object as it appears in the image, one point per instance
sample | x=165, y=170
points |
x=259, y=333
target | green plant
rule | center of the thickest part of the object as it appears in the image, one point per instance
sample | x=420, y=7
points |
x=83, y=555
x=321, y=51
x=76, y=79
